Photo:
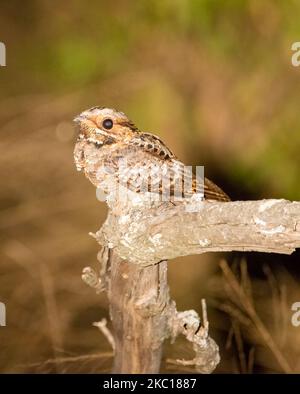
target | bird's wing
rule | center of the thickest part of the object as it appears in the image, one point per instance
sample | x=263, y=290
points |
x=199, y=185
x=150, y=147
x=214, y=192
x=152, y=144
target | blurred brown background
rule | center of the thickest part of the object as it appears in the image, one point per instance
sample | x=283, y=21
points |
x=215, y=80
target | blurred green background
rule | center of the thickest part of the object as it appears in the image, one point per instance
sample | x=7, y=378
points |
x=214, y=79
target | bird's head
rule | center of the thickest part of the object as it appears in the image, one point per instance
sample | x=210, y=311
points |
x=104, y=125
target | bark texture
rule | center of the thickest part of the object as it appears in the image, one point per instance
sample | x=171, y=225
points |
x=139, y=308
x=137, y=241
x=147, y=236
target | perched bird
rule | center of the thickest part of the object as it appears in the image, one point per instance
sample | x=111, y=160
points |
x=112, y=150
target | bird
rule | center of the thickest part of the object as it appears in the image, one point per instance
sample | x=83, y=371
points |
x=107, y=137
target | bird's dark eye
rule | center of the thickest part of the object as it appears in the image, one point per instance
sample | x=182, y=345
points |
x=107, y=124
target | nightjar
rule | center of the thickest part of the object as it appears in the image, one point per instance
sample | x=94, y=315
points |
x=113, y=151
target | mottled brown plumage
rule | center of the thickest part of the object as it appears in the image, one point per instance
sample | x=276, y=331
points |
x=107, y=137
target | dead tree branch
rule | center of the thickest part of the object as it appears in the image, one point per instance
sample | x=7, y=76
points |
x=137, y=241
x=147, y=236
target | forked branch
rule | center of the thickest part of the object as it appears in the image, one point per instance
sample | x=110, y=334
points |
x=137, y=241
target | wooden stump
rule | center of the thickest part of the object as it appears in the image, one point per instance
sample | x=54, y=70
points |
x=139, y=300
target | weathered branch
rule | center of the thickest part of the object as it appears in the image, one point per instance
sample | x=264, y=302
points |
x=149, y=235
x=137, y=241
x=143, y=316
x=195, y=330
